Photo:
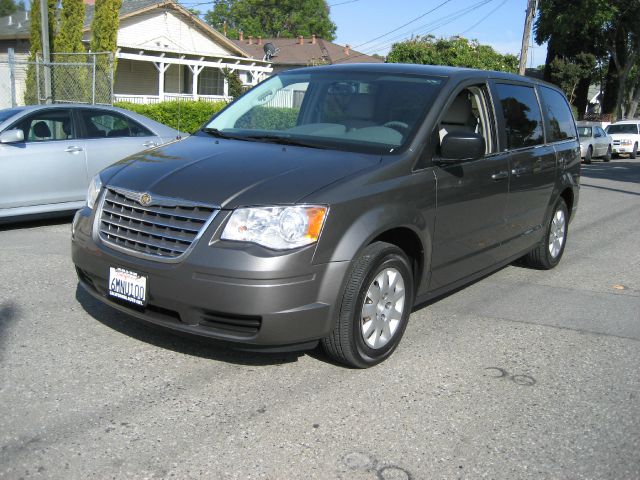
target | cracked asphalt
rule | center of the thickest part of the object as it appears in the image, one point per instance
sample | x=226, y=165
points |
x=524, y=374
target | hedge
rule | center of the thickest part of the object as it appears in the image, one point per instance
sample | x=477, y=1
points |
x=186, y=116
x=190, y=115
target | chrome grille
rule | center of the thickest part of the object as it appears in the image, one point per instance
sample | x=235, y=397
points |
x=164, y=229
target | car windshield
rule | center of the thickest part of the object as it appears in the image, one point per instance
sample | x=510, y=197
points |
x=366, y=112
x=584, y=131
x=623, y=128
x=8, y=113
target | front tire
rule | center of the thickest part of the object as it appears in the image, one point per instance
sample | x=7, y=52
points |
x=375, y=307
x=634, y=151
x=548, y=252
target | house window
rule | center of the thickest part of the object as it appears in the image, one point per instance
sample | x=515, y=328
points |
x=211, y=82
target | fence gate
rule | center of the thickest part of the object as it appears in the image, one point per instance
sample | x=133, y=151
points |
x=67, y=78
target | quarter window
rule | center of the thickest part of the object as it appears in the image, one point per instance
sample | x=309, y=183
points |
x=522, y=116
x=560, y=125
x=101, y=124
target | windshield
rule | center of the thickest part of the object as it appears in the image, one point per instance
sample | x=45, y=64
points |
x=7, y=113
x=369, y=112
x=623, y=128
x=584, y=131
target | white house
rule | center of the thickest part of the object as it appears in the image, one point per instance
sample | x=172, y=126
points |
x=164, y=52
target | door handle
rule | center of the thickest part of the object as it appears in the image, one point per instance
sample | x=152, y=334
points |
x=149, y=144
x=73, y=149
x=500, y=175
x=518, y=171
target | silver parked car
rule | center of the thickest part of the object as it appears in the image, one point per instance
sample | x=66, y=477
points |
x=594, y=142
x=48, y=153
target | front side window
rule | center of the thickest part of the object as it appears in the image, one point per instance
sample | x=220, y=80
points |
x=355, y=111
x=560, y=123
x=522, y=116
x=103, y=124
x=628, y=128
x=47, y=125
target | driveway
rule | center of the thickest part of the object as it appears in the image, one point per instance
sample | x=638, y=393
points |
x=524, y=374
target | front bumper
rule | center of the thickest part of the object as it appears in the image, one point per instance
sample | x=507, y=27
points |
x=227, y=291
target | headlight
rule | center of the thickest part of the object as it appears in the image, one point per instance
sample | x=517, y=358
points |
x=625, y=142
x=94, y=190
x=280, y=228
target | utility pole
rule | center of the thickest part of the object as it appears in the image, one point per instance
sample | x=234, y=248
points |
x=46, y=52
x=532, y=5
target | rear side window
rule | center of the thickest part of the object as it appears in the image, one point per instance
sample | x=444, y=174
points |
x=522, y=116
x=106, y=124
x=560, y=125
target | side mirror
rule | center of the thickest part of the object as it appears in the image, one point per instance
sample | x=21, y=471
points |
x=12, y=136
x=462, y=145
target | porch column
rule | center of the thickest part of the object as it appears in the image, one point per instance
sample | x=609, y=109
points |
x=162, y=68
x=195, y=73
x=225, y=86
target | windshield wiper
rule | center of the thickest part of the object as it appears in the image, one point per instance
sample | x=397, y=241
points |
x=285, y=141
x=220, y=134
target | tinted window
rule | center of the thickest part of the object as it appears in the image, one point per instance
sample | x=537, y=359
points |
x=523, y=120
x=560, y=124
x=622, y=128
x=104, y=124
x=47, y=125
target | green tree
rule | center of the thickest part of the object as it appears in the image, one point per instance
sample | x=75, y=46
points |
x=234, y=82
x=7, y=7
x=71, y=82
x=613, y=35
x=35, y=39
x=104, y=38
x=455, y=52
x=567, y=73
x=272, y=18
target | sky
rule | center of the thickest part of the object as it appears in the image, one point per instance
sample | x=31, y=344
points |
x=498, y=23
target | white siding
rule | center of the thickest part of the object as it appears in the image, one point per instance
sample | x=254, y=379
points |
x=136, y=78
x=167, y=30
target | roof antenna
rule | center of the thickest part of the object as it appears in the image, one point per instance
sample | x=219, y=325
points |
x=270, y=51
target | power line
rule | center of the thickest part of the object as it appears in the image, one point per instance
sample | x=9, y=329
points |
x=402, y=26
x=342, y=3
x=428, y=27
x=483, y=18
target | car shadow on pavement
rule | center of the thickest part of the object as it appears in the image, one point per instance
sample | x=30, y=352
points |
x=177, y=341
x=11, y=223
x=629, y=171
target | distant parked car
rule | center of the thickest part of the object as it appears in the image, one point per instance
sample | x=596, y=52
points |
x=626, y=137
x=48, y=153
x=594, y=142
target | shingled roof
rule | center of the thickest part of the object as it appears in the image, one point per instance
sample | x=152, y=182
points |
x=305, y=51
x=17, y=26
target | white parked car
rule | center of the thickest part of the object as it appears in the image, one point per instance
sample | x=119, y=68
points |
x=594, y=142
x=626, y=137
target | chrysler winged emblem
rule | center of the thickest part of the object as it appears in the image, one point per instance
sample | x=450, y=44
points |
x=145, y=199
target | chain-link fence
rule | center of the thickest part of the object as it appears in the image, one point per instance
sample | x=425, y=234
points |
x=67, y=78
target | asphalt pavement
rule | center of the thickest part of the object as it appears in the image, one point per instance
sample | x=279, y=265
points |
x=524, y=374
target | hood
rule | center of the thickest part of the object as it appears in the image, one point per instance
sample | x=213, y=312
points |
x=234, y=173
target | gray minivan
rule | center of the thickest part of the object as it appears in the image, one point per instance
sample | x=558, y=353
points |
x=325, y=203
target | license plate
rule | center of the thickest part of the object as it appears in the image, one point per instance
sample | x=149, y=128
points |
x=128, y=286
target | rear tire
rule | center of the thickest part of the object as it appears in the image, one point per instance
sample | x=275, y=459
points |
x=607, y=157
x=587, y=156
x=548, y=252
x=375, y=307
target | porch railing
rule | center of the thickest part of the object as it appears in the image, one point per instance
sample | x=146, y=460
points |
x=123, y=97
